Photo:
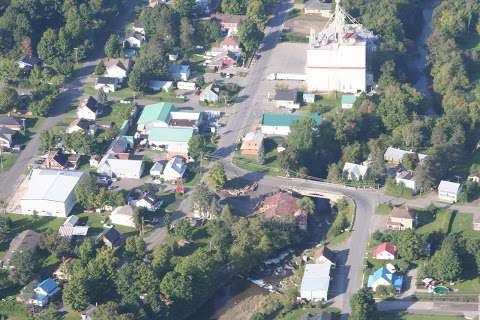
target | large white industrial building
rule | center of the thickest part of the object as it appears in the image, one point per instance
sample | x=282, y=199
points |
x=338, y=57
x=51, y=192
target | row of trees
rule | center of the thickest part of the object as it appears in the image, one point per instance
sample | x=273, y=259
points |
x=177, y=281
x=54, y=28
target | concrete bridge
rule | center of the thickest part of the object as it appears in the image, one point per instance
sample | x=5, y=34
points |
x=332, y=196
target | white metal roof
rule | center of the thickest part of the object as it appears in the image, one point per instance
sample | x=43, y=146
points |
x=316, y=277
x=52, y=185
x=396, y=153
x=254, y=136
x=355, y=169
x=450, y=187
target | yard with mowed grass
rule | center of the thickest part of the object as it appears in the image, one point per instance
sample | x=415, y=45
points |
x=7, y=161
x=451, y=222
x=409, y=316
x=117, y=113
x=271, y=164
x=298, y=313
x=430, y=220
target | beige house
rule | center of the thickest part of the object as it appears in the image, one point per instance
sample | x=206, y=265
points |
x=252, y=144
x=401, y=219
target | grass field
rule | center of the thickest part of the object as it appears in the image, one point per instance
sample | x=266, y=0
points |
x=117, y=113
x=407, y=316
x=271, y=165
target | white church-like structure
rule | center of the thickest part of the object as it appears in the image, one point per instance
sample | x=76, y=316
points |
x=338, y=56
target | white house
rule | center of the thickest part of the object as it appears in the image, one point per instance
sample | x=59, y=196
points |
x=395, y=155
x=44, y=292
x=174, y=169
x=113, y=165
x=179, y=72
x=135, y=40
x=117, y=68
x=315, y=282
x=449, y=191
x=385, y=251
x=159, y=85
x=286, y=99
x=148, y=201
x=123, y=216
x=108, y=84
x=51, y=192
x=88, y=109
x=407, y=178
x=354, y=170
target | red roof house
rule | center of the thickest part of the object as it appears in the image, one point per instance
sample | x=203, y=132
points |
x=385, y=251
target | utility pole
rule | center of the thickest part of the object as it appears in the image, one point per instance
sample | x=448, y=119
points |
x=23, y=123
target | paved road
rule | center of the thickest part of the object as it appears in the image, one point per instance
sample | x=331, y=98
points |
x=73, y=91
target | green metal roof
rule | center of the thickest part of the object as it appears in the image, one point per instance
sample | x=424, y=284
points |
x=349, y=99
x=170, y=134
x=156, y=112
x=284, y=120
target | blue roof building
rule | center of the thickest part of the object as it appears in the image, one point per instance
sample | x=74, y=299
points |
x=383, y=277
x=44, y=291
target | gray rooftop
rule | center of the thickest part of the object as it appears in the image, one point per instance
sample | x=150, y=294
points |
x=316, y=277
x=51, y=185
x=289, y=95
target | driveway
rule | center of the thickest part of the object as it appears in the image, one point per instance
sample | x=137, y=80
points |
x=72, y=93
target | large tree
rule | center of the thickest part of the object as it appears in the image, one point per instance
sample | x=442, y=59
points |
x=363, y=306
x=24, y=265
x=216, y=176
x=8, y=99
x=250, y=37
x=446, y=261
x=234, y=6
x=409, y=245
x=75, y=294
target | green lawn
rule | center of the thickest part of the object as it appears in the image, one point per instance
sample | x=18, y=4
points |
x=437, y=220
x=325, y=103
x=407, y=316
x=271, y=165
x=298, y=313
x=7, y=161
x=462, y=223
x=117, y=113
x=348, y=211
x=383, y=208
x=164, y=96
